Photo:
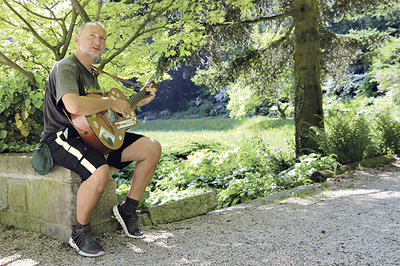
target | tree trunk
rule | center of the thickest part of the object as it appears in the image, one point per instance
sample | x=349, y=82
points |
x=307, y=58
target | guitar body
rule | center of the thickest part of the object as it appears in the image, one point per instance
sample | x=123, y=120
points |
x=105, y=131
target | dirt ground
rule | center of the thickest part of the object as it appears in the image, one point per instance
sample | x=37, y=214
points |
x=355, y=220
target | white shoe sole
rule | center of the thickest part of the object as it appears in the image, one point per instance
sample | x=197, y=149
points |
x=122, y=223
x=80, y=252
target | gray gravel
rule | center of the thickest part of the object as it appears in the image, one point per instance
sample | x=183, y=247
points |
x=354, y=220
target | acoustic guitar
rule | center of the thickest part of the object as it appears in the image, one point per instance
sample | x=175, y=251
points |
x=105, y=131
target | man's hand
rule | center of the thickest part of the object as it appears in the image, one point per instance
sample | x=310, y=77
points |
x=120, y=106
x=151, y=89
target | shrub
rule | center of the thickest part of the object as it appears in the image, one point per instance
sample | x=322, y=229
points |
x=256, y=153
x=188, y=146
x=237, y=175
x=21, y=116
x=348, y=136
x=300, y=173
x=389, y=133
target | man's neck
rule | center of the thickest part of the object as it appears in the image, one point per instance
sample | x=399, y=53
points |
x=86, y=61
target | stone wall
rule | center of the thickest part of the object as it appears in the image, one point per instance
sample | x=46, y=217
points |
x=47, y=204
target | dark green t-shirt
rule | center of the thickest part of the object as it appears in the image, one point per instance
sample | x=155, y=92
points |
x=66, y=76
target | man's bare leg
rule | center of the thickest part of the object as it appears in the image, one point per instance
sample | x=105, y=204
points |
x=89, y=193
x=146, y=152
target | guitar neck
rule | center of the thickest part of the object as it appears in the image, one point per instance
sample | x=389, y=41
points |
x=134, y=99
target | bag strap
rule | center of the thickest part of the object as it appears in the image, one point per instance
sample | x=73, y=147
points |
x=99, y=70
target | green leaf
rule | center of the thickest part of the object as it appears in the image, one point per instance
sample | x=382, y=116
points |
x=3, y=134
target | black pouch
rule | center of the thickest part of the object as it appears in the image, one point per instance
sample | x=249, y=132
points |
x=41, y=158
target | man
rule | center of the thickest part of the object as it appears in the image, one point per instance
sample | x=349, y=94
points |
x=69, y=81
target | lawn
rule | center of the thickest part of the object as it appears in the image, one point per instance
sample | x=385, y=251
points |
x=230, y=133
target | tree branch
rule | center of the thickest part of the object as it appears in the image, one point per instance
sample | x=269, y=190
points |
x=138, y=32
x=68, y=37
x=48, y=45
x=36, y=14
x=247, y=22
x=81, y=11
x=99, y=5
x=7, y=61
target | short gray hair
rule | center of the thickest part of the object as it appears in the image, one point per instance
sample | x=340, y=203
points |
x=81, y=28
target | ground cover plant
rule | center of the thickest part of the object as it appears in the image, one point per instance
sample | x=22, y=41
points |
x=241, y=160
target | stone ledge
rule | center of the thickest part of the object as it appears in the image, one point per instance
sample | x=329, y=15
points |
x=181, y=209
x=47, y=204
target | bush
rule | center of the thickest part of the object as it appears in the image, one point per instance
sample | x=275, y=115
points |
x=256, y=153
x=21, y=116
x=188, y=146
x=348, y=136
x=301, y=172
x=389, y=133
x=238, y=175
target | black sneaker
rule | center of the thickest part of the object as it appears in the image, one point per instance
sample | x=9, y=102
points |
x=130, y=223
x=83, y=242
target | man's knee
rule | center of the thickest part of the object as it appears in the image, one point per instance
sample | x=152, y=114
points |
x=100, y=177
x=153, y=150
x=156, y=146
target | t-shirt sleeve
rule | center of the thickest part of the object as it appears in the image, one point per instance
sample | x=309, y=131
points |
x=66, y=82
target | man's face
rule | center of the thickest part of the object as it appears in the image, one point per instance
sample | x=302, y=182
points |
x=91, y=41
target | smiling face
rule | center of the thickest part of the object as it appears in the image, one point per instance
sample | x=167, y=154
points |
x=90, y=42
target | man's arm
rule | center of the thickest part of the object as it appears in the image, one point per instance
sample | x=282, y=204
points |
x=83, y=105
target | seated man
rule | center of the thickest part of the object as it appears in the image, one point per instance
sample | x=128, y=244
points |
x=70, y=80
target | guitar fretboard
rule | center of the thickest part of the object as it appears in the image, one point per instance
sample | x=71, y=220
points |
x=134, y=99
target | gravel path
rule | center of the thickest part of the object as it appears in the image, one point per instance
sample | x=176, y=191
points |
x=355, y=220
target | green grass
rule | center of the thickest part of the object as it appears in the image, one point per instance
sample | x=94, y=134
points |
x=230, y=133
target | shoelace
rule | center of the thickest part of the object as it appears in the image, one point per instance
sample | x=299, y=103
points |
x=81, y=237
x=134, y=222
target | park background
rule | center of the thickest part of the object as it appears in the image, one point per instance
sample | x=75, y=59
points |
x=254, y=96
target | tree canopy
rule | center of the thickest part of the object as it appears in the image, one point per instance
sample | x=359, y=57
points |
x=146, y=38
x=305, y=47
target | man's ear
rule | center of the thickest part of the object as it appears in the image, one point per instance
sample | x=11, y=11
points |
x=76, y=38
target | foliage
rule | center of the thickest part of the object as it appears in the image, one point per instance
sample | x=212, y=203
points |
x=348, y=136
x=257, y=165
x=248, y=171
x=350, y=86
x=257, y=67
x=385, y=69
x=143, y=35
x=187, y=146
x=389, y=130
x=20, y=113
x=205, y=171
x=301, y=172
x=244, y=100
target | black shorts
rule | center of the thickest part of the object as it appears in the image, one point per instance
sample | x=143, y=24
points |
x=74, y=154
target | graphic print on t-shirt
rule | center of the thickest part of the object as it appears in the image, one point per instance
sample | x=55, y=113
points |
x=92, y=90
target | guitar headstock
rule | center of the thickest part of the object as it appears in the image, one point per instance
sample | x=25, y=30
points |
x=151, y=85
